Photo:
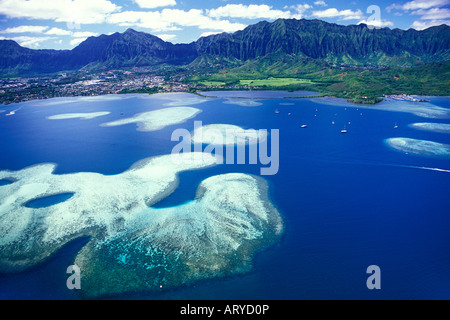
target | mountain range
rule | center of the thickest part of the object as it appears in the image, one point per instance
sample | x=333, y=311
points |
x=291, y=39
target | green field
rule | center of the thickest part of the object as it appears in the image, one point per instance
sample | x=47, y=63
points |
x=275, y=82
x=212, y=83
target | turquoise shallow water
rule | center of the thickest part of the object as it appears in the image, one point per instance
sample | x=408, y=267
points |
x=347, y=200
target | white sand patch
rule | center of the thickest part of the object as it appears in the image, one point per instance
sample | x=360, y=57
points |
x=68, y=100
x=157, y=119
x=243, y=102
x=84, y=116
x=419, y=147
x=434, y=127
x=184, y=101
x=226, y=134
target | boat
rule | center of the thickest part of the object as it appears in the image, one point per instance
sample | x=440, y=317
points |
x=11, y=113
x=396, y=126
x=277, y=111
x=344, y=131
x=304, y=126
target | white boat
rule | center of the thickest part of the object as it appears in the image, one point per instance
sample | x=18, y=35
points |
x=11, y=113
x=304, y=126
x=396, y=126
x=277, y=111
x=344, y=131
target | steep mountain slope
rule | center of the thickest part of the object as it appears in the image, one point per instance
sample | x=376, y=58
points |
x=331, y=42
x=285, y=39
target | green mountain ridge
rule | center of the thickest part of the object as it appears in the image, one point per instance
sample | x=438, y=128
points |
x=349, y=61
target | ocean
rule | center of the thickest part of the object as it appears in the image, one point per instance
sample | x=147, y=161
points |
x=347, y=201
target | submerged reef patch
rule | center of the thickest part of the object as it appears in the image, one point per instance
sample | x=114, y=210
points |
x=430, y=126
x=243, y=102
x=133, y=246
x=85, y=116
x=157, y=119
x=224, y=134
x=420, y=147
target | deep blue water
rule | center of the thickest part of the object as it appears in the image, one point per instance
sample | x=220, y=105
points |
x=48, y=201
x=348, y=201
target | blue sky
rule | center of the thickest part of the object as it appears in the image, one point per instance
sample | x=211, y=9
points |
x=63, y=24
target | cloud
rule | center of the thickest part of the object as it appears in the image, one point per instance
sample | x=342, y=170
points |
x=433, y=14
x=77, y=41
x=85, y=34
x=300, y=10
x=71, y=11
x=424, y=4
x=25, y=29
x=320, y=3
x=172, y=19
x=29, y=42
x=418, y=4
x=421, y=25
x=432, y=17
x=206, y=34
x=378, y=23
x=151, y=4
x=252, y=11
x=342, y=14
x=166, y=37
x=58, y=32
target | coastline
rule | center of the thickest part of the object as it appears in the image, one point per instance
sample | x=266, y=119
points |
x=317, y=97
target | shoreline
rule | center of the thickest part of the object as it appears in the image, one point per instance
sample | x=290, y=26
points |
x=199, y=93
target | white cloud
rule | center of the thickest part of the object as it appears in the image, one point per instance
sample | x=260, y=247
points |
x=433, y=14
x=148, y=20
x=421, y=25
x=172, y=19
x=166, y=37
x=378, y=23
x=418, y=4
x=29, y=42
x=252, y=11
x=25, y=29
x=151, y=4
x=58, y=32
x=196, y=18
x=76, y=41
x=85, y=34
x=71, y=11
x=342, y=14
x=300, y=10
x=320, y=3
x=206, y=34
x=424, y=4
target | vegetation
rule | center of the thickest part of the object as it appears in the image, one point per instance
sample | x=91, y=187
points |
x=359, y=84
x=147, y=90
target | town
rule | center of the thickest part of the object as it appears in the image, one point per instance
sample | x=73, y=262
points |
x=136, y=80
